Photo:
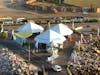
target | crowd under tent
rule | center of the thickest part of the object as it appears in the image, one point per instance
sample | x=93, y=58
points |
x=62, y=29
x=31, y=27
x=49, y=36
x=21, y=37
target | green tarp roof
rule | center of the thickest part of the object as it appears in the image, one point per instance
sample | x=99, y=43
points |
x=23, y=34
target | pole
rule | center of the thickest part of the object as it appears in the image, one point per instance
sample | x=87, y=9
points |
x=49, y=24
x=29, y=59
x=43, y=68
x=79, y=45
x=98, y=32
x=73, y=25
x=82, y=37
x=68, y=70
x=2, y=28
x=59, y=2
x=29, y=52
x=12, y=1
x=90, y=37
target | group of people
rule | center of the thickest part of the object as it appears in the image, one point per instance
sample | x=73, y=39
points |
x=86, y=61
x=12, y=64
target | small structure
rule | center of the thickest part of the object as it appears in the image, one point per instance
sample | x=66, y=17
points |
x=98, y=10
x=21, y=2
x=78, y=28
x=85, y=10
x=30, y=1
x=31, y=27
x=50, y=36
x=62, y=29
x=21, y=37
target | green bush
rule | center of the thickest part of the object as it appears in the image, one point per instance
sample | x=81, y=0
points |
x=87, y=26
x=56, y=1
x=91, y=20
x=4, y=34
x=93, y=31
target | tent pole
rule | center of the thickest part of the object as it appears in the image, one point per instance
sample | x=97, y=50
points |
x=73, y=25
x=49, y=24
x=98, y=32
x=29, y=59
x=29, y=52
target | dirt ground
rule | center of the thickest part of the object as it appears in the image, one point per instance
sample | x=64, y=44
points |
x=16, y=10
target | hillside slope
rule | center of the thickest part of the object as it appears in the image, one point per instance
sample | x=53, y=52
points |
x=84, y=3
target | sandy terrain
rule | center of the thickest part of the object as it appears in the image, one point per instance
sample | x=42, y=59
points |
x=16, y=10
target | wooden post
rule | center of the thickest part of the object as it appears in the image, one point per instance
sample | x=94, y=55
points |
x=90, y=37
x=43, y=68
x=12, y=1
x=49, y=24
x=98, y=32
x=82, y=37
x=79, y=45
x=70, y=37
x=59, y=2
x=2, y=28
x=35, y=73
x=29, y=52
x=36, y=9
x=29, y=59
x=68, y=70
x=73, y=25
x=28, y=69
x=12, y=33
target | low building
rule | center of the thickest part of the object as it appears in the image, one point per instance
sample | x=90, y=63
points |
x=21, y=1
x=98, y=10
x=30, y=1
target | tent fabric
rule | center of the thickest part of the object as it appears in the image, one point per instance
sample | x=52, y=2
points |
x=31, y=27
x=18, y=40
x=49, y=36
x=23, y=34
x=62, y=29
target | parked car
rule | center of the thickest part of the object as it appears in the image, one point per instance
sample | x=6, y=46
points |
x=18, y=20
x=57, y=68
x=8, y=22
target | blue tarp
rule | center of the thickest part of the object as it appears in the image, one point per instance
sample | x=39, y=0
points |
x=19, y=40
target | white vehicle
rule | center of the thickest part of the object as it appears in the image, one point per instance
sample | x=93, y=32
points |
x=53, y=57
x=21, y=20
x=8, y=22
x=57, y=68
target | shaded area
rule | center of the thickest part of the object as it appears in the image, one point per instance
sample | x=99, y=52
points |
x=16, y=48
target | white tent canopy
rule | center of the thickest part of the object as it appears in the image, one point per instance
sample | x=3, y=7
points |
x=31, y=27
x=62, y=29
x=50, y=36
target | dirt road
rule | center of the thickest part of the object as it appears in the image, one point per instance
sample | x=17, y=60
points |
x=15, y=10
